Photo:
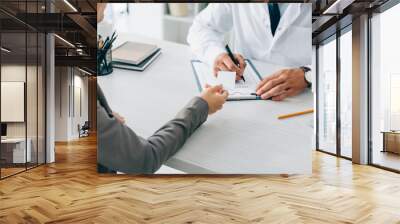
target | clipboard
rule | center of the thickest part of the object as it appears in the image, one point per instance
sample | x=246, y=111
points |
x=243, y=90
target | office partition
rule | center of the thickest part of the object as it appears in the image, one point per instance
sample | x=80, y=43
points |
x=23, y=88
x=15, y=150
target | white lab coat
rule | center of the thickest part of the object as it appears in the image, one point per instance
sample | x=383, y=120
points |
x=250, y=33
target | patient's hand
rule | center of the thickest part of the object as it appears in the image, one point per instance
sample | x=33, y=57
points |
x=224, y=63
x=119, y=118
x=215, y=96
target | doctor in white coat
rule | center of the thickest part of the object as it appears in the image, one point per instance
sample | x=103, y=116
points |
x=271, y=32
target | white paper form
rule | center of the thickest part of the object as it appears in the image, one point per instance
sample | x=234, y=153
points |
x=243, y=90
x=227, y=80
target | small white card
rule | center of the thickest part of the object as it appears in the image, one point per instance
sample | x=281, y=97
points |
x=227, y=79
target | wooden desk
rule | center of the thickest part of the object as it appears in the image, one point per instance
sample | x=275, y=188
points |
x=13, y=150
x=391, y=141
x=244, y=137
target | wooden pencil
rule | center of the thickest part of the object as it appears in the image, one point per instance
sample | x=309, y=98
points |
x=296, y=114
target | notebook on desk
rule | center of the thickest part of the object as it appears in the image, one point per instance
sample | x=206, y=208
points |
x=242, y=90
x=133, y=52
x=140, y=67
x=134, y=56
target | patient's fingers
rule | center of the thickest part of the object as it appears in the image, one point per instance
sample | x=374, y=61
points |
x=216, y=88
x=225, y=94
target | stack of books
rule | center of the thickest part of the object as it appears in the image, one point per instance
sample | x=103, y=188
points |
x=134, y=56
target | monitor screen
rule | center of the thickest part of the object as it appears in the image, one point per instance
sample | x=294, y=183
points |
x=3, y=129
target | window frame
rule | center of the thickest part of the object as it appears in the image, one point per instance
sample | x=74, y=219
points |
x=378, y=10
x=334, y=37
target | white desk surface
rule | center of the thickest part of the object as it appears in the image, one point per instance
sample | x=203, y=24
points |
x=245, y=137
x=13, y=140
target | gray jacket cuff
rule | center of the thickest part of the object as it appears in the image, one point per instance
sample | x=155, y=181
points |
x=201, y=105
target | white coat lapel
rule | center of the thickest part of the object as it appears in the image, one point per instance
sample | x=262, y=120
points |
x=290, y=15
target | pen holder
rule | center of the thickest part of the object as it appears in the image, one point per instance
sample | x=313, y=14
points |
x=104, y=59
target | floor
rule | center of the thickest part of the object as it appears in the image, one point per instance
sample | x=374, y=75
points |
x=10, y=171
x=13, y=170
x=387, y=159
x=70, y=191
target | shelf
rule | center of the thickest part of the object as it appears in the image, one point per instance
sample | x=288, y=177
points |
x=183, y=19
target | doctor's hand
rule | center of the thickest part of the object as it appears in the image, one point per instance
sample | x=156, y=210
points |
x=215, y=96
x=282, y=84
x=224, y=63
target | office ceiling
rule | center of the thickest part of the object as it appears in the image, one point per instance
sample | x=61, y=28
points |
x=23, y=49
x=75, y=21
x=72, y=20
x=331, y=15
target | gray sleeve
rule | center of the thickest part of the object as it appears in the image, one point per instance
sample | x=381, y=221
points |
x=102, y=100
x=120, y=149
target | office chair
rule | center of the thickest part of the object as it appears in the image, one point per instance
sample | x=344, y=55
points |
x=84, y=130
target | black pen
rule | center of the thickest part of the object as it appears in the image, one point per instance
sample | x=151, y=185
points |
x=233, y=58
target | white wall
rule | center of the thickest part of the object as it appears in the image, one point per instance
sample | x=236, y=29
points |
x=69, y=82
x=80, y=84
x=144, y=18
x=12, y=101
x=33, y=126
x=12, y=73
x=61, y=103
x=152, y=20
